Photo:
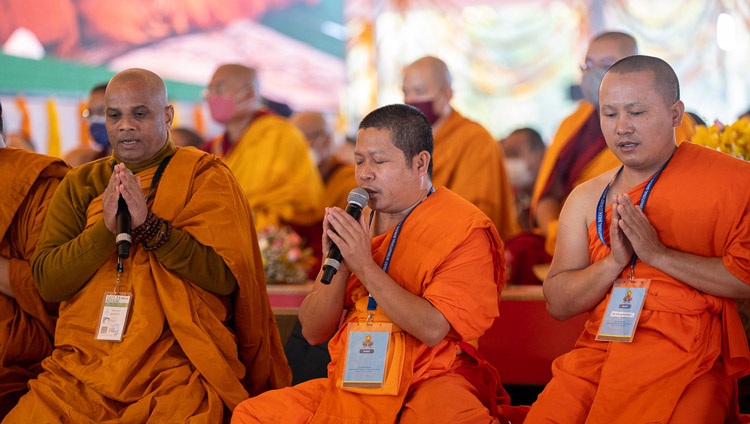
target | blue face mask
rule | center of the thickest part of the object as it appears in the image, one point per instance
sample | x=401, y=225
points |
x=98, y=132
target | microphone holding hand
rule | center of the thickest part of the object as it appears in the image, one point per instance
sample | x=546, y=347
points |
x=122, y=219
x=358, y=199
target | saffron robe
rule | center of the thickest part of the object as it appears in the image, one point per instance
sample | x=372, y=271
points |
x=567, y=133
x=468, y=161
x=27, y=323
x=273, y=165
x=688, y=345
x=447, y=252
x=185, y=353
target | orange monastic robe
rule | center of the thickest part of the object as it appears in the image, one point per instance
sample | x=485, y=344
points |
x=461, y=272
x=689, y=345
x=186, y=354
x=468, y=160
x=604, y=161
x=27, y=181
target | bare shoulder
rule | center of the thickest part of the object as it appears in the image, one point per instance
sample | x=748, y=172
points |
x=584, y=198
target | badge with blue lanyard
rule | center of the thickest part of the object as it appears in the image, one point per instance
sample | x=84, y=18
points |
x=628, y=295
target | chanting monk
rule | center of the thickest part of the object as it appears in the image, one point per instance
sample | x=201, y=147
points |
x=266, y=153
x=178, y=328
x=27, y=323
x=434, y=305
x=666, y=227
x=467, y=158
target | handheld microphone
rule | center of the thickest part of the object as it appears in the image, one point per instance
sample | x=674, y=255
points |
x=358, y=199
x=122, y=219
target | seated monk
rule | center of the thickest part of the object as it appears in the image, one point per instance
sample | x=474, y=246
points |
x=578, y=151
x=467, y=158
x=655, y=251
x=177, y=328
x=27, y=323
x=410, y=319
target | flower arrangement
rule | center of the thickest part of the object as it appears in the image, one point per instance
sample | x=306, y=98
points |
x=733, y=139
x=285, y=258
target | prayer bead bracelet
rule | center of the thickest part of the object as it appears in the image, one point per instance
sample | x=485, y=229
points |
x=154, y=230
x=147, y=230
x=164, y=232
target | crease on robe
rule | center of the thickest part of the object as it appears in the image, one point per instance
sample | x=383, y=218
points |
x=273, y=165
x=27, y=323
x=178, y=357
x=455, y=273
x=682, y=333
x=470, y=162
x=604, y=161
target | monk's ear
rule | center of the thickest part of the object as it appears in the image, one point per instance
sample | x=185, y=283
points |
x=422, y=161
x=678, y=109
x=169, y=115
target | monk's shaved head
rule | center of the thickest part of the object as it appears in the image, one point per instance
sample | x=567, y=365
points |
x=241, y=74
x=625, y=43
x=433, y=67
x=149, y=81
x=665, y=79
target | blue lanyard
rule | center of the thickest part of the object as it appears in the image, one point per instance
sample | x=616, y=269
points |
x=372, y=304
x=641, y=203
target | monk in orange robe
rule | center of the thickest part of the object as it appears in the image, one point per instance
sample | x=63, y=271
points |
x=668, y=216
x=199, y=335
x=577, y=153
x=436, y=304
x=27, y=323
x=467, y=158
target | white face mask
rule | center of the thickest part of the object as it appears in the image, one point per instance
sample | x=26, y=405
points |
x=519, y=174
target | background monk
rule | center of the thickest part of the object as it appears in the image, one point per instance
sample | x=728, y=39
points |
x=199, y=335
x=98, y=146
x=266, y=153
x=690, y=241
x=436, y=304
x=467, y=158
x=27, y=323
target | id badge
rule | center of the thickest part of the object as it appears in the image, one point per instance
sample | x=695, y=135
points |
x=623, y=310
x=114, y=316
x=366, y=354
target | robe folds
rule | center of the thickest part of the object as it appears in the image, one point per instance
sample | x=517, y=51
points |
x=27, y=323
x=470, y=162
x=567, y=133
x=186, y=354
x=449, y=253
x=273, y=165
x=689, y=346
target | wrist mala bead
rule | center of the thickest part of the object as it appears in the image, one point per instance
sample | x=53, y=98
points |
x=153, y=233
x=161, y=237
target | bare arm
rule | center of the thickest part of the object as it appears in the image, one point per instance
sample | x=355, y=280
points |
x=320, y=311
x=574, y=286
x=709, y=275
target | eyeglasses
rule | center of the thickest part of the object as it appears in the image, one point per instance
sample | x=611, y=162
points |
x=92, y=113
x=589, y=65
